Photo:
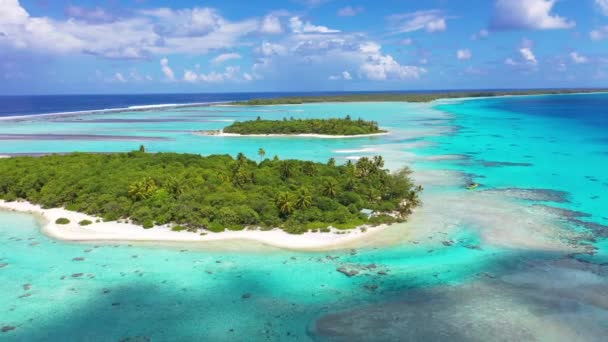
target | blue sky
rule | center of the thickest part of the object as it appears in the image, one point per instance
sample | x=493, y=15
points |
x=148, y=46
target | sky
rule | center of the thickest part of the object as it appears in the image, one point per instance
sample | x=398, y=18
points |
x=152, y=46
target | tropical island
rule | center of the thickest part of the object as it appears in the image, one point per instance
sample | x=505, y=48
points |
x=210, y=194
x=316, y=128
x=408, y=97
x=346, y=126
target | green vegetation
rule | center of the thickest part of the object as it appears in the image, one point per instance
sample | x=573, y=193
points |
x=62, y=220
x=408, y=97
x=178, y=228
x=85, y=222
x=214, y=192
x=345, y=126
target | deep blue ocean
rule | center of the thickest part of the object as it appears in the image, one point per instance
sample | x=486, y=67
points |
x=18, y=105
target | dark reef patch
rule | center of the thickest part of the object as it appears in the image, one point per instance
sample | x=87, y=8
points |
x=543, y=195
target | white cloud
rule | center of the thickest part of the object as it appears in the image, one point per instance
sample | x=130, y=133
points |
x=298, y=26
x=528, y=55
x=379, y=67
x=344, y=75
x=482, y=34
x=119, y=77
x=602, y=5
x=527, y=14
x=429, y=20
x=578, y=58
x=407, y=41
x=230, y=73
x=325, y=53
x=144, y=34
x=370, y=47
x=166, y=69
x=271, y=24
x=350, y=11
x=599, y=33
x=226, y=57
x=384, y=67
x=526, y=60
x=190, y=76
x=464, y=54
x=97, y=14
x=270, y=49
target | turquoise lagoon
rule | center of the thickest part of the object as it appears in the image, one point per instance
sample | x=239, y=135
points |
x=521, y=258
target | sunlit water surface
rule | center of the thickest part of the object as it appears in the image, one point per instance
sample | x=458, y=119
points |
x=524, y=256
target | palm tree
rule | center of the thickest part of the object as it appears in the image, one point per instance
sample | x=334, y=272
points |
x=310, y=169
x=142, y=148
x=142, y=189
x=241, y=158
x=304, y=199
x=261, y=153
x=285, y=203
x=331, y=162
x=330, y=188
x=378, y=162
x=286, y=170
x=174, y=186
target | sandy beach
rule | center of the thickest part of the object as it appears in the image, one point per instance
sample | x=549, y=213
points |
x=127, y=232
x=321, y=136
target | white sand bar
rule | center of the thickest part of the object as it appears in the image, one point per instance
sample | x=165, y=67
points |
x=115, y=231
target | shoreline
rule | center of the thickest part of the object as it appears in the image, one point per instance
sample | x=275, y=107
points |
x=128, y=232
x=301, y=135
x=229, y=103
x=232, y=104
x=137, y=108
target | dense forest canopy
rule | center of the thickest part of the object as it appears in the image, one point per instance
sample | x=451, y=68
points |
x=213, y=192
x=345, y=126
x=408, y=97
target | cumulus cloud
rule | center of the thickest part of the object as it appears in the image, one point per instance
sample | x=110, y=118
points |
x=527, y=14
x=166, y=69
x=428, y=20
x=344, y=75
x=270, y=49
x=350, y=11
x=464, y=54
x=528, y=55
x=379, y=67
x=297, y=54
x=578, y=58
x=95, y=15
x=602, y=6
x=230, y=73
x=271, y=24
x=145, y=33
x=226, y=57
x=298, y=26
x=526, y=58
x=599, y=33
x=119, y=78
x=190, y=76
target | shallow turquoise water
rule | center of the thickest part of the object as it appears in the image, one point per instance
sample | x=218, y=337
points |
x=184, y=292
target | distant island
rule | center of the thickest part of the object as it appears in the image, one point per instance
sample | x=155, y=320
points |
x=408, y=97
x=331, y=127
x=213, y=193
